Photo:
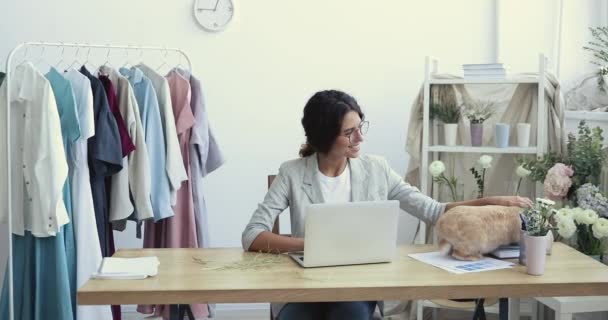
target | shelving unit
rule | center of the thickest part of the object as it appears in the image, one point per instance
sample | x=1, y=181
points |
x=431, y=150
x=431, y=69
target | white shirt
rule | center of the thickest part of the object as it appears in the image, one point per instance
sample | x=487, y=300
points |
x=135, y=173
x=38, y=165
x=336, y=189
x=88, y=250
x=174, y=163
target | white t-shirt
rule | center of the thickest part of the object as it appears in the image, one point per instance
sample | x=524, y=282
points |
x=336, y=189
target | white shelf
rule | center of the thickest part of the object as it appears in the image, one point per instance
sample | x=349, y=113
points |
x=470, y=149
x=485, y=81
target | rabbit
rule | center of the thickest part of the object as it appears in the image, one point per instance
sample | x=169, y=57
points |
x=468, y=232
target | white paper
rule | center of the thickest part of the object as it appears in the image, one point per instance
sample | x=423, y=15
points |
x=127, y=268
x=448, y=263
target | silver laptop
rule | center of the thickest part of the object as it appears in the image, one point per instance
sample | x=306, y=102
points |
x=349, y=233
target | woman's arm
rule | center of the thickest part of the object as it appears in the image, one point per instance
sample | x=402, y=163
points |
x=508, y=201
x=274, y=243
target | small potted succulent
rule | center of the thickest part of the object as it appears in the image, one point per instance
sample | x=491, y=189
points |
x=449, y=114
x=477, y=112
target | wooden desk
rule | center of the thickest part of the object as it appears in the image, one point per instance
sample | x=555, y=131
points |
x=181, y=280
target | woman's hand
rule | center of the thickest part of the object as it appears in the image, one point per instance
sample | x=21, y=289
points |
x=510, y=201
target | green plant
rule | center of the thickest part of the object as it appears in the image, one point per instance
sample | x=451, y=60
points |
x=599, y=48
x=583, y=154
x=479, y=111
x=538, y=220
x=485, y=162
x=447, y=112
x=437, y=169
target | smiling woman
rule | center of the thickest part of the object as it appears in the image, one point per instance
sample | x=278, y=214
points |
x=332, y=169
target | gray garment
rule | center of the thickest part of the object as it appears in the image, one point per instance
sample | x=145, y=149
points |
x=297, y=186
x=205, y=156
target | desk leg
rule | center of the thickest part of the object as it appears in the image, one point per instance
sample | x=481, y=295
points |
x=174, y=312
x=511, y=307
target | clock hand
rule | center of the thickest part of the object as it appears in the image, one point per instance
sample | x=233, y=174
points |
x=215, y=8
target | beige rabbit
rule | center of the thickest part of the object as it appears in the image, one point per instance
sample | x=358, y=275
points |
x=469, y=232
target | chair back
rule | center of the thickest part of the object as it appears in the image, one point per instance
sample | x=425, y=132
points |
x=276, y=226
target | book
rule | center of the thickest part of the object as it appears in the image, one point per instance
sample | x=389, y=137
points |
x=477, y=66
x=506, y=252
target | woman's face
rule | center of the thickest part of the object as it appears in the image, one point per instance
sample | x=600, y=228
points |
x=348, y=142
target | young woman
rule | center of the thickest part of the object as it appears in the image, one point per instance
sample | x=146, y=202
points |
x=331, y=169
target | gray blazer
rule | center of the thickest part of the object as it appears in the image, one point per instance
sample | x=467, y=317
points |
x=297, y=185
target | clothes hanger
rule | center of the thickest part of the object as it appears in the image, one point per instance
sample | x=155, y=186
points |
x=41, y=59
x=179, y=63
x=58, y=63
x=164, y=60
x=107, y=62
x=126, y=65
x=75, y=62
x=84, y=64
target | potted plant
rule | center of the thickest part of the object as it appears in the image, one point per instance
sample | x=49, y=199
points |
x=584, y=230
x=477, y=112
x=449, y=113
x=537, y=222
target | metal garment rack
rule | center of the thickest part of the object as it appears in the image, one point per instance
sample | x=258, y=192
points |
x=176, y=310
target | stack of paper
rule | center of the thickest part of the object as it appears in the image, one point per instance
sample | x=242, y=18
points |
x=484, y=71
x=127, y=268
x=448, y=263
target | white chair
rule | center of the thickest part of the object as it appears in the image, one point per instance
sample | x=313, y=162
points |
x=528, y=307
x=565, y=307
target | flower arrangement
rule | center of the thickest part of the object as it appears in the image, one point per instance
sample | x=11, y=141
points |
x=585, y=227
x=588, y=196
x=538, y=220
x=581, y=164
x=599, y=48
x=485, y=162
x=522, y=173
x=447, y=112
x=479, y=111
x=558, y=182
x=437, y=169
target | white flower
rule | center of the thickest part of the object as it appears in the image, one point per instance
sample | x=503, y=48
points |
x=600, y=228
x=522, y=172
x=564, y=213
x=436, y=168
x=566, y=227
x=587, y=216
x=545, y=202
x=485, y=161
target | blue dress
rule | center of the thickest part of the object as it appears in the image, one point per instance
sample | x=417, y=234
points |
x=44, y=268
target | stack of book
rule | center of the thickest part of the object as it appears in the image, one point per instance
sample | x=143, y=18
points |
x=484, y=71
x=506, y=252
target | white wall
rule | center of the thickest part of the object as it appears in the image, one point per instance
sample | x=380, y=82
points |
x=259, y=72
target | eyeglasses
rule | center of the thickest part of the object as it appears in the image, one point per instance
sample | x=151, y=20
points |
x=362, y=128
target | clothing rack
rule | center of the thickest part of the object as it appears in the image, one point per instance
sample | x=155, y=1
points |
x=9, y=60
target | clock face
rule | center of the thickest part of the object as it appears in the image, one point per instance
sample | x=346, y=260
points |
x=213, y=15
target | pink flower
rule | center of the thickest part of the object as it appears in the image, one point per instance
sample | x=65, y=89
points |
x=557, y=182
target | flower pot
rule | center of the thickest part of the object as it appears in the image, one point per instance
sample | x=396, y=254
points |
x=476, y=134
x=501, y=135
x=522, y=247
x=536, y=254
x=450, y=131
x=550, y=240
x=523, y=134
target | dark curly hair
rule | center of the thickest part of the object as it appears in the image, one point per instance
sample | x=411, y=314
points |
x=322, y=120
